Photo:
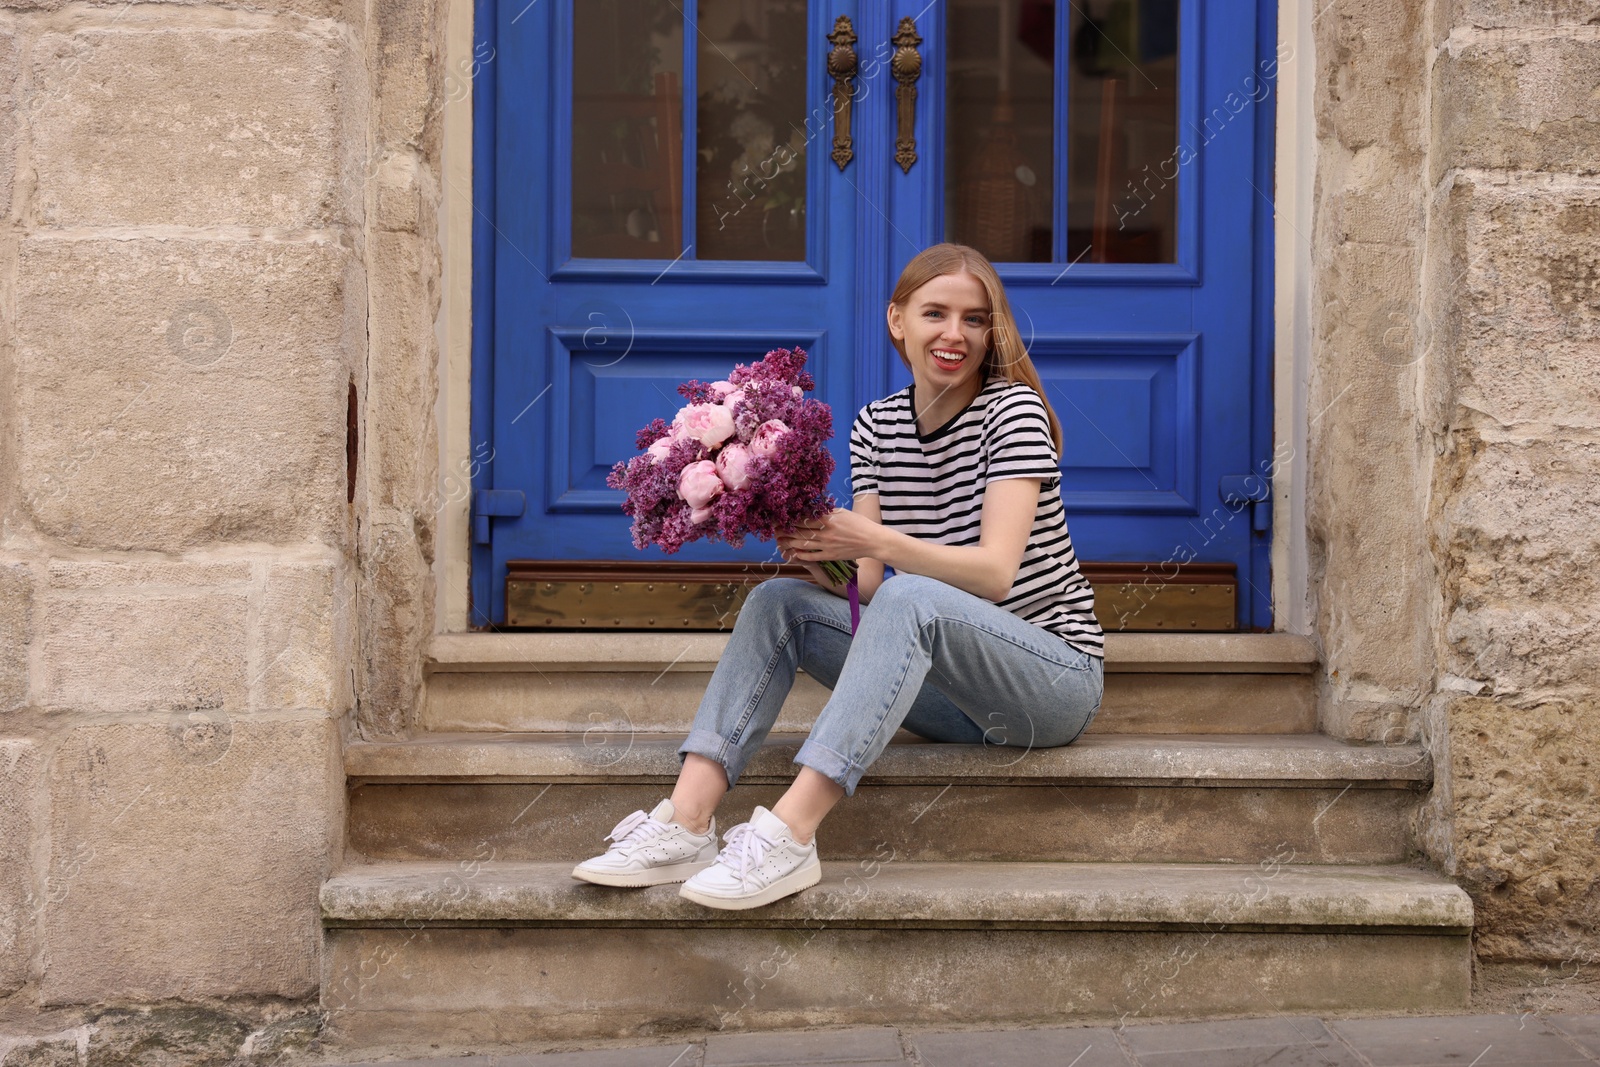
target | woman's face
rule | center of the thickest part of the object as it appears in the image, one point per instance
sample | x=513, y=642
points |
x=945, y=329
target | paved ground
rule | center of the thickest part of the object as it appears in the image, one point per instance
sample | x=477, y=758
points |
x=1436, y=1041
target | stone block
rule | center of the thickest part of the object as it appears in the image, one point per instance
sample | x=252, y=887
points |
x=145, y=637
x=402, y=383
x=56, y=1050
x=409, y=40
x=543, y=984
x=344, y=10
x=1371, y=59
x=200, y=127
x=1520, y=14
x=1518, y=105
x=397, y=613
x=182, y=393
x=305, y=650
x=16, y=633
x=8, y=118
x=19, y=768
x=1521, y=300
x=399, y=194
x=1527, y=825
x=209, y=855
x=1522, y=552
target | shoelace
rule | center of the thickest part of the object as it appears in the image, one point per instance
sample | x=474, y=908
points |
x=745, y=849
x=636, y=829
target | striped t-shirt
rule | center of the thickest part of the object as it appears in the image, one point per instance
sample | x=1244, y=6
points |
x=931, y=487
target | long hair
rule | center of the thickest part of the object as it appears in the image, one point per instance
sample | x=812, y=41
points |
x=1006, y=354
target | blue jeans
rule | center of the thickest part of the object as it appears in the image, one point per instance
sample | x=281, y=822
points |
x=943, y=663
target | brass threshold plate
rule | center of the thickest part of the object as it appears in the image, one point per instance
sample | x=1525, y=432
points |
x=603, y=595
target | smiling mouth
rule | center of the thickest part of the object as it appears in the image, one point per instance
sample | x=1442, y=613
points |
x=946, y=358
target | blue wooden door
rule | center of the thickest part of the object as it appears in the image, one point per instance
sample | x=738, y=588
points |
x=656, y=201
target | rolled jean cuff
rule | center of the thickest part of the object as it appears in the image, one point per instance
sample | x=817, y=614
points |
x=826, y=761
x=713, y=746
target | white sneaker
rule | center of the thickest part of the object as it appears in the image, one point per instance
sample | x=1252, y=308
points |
x=650, y=850
x=761, y=862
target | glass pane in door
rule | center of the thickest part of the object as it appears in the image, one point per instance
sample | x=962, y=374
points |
x=627, y=129
x=750, y=171
x=1000, y=132
x=1122, y=194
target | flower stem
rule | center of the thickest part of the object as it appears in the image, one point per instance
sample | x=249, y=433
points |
x=840, y=570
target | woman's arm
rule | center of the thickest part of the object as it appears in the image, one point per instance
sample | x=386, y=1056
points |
x=987, y=569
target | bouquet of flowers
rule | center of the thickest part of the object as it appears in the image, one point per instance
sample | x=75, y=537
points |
x=746, y=457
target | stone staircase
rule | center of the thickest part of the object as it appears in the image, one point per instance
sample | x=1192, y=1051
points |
x=1201, y=851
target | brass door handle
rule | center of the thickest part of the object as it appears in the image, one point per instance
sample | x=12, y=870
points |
x=842, y=64
x=906, y=66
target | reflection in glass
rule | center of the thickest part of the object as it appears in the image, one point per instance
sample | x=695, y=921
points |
x=627, y=129
x=750, y=173
x=1000, y=127
x=1122, y=193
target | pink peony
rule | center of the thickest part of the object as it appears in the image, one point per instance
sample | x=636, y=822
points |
x=764, y=442
x=699, y=515
x=733, y=398
x=710, y=424
x=699, y=484
x=795, y=390
x=733, y=461
x=720, y=391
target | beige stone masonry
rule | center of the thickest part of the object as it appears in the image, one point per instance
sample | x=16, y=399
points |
x=1519, y=104
x=1512, y=288
x=16, y=633
x=205, y=637
x=349, y=11
x=1369, y=568
x=19, y=883
x=184, y=127
x=1518, y=13
x=400, y=388
x=208, y=846
x=1526, y=785
x=147, y=647
x=1525, y=261
x=1525, y=602
x=183, y=393
x=9, y=56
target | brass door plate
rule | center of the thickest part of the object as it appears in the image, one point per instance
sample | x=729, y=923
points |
x=689, y=596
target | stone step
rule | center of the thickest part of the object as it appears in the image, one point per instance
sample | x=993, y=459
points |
x=522, y=951
x=566, y=682
x=1114, y=798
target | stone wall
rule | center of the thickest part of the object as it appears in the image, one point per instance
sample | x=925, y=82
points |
x=218, y=281
x=1456, y=463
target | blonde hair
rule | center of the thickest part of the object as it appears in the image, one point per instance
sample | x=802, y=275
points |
x=1006, y=354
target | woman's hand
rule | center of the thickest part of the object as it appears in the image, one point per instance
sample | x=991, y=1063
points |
x=841, y=534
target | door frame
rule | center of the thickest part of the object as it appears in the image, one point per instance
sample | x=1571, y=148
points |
x=1286, y=163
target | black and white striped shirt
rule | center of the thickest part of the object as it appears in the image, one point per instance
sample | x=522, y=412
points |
x=931, y=487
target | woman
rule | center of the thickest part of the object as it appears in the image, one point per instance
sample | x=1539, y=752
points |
x=985, y=634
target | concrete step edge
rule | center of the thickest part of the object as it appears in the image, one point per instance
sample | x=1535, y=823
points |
x=1102, y=759
x=691, y=652
x=906, y=894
